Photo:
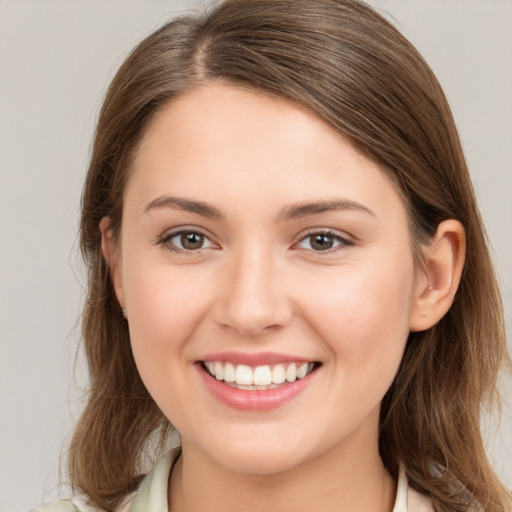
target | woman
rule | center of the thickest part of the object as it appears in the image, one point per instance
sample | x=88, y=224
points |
x=288, y=266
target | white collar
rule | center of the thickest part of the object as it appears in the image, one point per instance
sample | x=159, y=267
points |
x=151, y=496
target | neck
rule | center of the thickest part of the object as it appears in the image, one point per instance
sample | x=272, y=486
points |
x=344, y=479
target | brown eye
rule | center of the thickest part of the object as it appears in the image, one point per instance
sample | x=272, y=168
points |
x=323, y=241
x=191, y=241
x=186, y=241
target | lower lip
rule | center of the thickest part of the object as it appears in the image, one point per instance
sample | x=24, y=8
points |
x=254, y=400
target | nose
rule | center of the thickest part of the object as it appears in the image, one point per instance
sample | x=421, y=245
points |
x=253, y=298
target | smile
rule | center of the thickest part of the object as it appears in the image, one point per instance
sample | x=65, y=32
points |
x=242, y=382
x=258, y=378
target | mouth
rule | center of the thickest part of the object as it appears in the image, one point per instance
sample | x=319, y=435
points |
x=259, y=381
x=258, y=378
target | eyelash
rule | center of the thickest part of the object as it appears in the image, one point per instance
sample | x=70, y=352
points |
x=343, y=242
x=165, y=239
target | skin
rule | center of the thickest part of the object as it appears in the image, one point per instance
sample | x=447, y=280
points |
x=258, y=284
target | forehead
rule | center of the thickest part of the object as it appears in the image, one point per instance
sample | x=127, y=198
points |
x=234, y=144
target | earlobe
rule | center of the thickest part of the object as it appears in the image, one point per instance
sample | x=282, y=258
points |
x=440, y=276
x=112, y=259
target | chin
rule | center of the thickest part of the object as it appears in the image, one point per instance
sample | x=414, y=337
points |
x=257, y=458
x=260, y=464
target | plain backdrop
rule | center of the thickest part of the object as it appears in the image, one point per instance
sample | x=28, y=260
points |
x=56, y=58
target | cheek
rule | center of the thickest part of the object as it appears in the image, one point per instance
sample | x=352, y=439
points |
x=363, y=317
x=168, y=306
x=165, y=306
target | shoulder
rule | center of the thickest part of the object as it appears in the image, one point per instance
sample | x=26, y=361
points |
x=57, y=506
x=65, y=506
x=150, y=495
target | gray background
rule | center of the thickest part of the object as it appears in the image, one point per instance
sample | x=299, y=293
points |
x=56, y=58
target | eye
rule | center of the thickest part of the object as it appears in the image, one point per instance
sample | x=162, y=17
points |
x=322, y=241
x=186, y=241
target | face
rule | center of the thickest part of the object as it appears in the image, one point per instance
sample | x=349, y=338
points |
x=267, y=273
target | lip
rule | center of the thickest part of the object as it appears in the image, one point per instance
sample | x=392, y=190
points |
x=254, y=400
x=257, y=359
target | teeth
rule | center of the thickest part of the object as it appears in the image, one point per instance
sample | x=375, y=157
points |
x=291, y=373
x=278, y=374
x=243, y=375
x=260, y=377
x=219, y=371
x=229, y=372
x=302, y=370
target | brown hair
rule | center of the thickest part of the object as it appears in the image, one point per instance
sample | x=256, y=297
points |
x=345, y=62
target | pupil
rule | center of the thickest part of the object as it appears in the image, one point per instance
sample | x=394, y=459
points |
x=192, y=240
x=322, y=242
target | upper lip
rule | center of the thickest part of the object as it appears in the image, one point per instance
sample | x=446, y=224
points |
x=255, y=359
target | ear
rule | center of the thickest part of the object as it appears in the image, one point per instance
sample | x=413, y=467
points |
x=112, y=258
x=440, y=277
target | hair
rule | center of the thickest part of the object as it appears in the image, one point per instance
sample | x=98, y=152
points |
x=350, y=66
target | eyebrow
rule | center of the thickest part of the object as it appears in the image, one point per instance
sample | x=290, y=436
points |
x=178, y=203
x=306, y=209
x=290, y=212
